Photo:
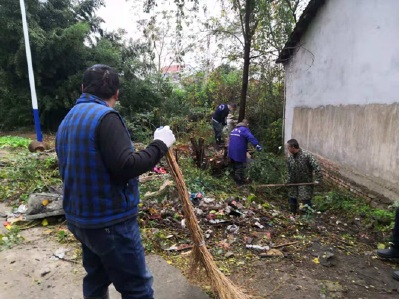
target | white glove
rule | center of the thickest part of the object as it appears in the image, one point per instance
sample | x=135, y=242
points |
x=165, y=135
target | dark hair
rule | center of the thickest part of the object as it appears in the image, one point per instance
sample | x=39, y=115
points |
x=101, y=81
x=233, y=105
x=293, y=143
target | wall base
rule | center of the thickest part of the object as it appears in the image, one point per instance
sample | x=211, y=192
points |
x=374, y=192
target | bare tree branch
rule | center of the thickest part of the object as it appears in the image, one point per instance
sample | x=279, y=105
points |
x=241, y=18
x=228, y=32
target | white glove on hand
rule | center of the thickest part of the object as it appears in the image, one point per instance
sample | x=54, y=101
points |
x=165, y=135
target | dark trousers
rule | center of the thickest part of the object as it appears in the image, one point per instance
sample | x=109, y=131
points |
x=293, y=201
x=114, y=255
x=218, y=127
x=238, y=171
x=396, y=230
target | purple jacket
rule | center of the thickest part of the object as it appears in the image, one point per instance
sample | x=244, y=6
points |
x=240, y=136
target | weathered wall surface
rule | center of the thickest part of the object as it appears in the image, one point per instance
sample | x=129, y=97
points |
x=342, y=87
x=363, y=138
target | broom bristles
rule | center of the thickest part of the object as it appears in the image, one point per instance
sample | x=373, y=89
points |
x=200, y=256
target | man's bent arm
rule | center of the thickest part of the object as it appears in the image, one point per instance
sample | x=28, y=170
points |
x=117, y=153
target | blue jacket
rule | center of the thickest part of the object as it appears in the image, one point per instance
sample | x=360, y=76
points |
x=221, y=113
x=239, y=138
x=91, y=198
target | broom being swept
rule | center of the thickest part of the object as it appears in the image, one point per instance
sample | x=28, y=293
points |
x=99, y=169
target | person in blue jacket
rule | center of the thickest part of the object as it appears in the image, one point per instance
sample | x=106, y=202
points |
x=219, y=120
x=239, y=138
x=100, y=168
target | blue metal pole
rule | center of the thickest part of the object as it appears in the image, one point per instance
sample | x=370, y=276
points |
x=30, y=71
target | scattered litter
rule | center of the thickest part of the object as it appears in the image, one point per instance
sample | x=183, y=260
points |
x=257, y=247
x=183, y=223
x=224, y=244
x=45, y=202
x=198, y=211
x=159, y=170
x=248, y=240
x=217, y=221
x=229, y=254
x=22, y=209
x=233, y=229
x=273, y=253
x=209, y=200
x=157, y=193
x=259, y=225
x=6, y=223
x=208, y=233
x=60, y=253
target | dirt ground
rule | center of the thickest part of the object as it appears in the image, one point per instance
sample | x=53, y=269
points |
x=27, y=271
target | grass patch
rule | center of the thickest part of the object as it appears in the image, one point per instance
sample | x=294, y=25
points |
x=14, y=142
x=350, y=206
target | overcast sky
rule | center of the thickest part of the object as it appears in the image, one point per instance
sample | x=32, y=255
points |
x=122, y=14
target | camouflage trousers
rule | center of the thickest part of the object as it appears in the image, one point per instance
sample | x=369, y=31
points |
x=301, y=193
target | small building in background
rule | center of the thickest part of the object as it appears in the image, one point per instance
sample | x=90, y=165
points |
x=342, y=93
x=175, y=72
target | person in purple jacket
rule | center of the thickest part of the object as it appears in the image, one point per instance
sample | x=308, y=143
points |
x=237, y=152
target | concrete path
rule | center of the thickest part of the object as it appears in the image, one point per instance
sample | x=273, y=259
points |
x=26, y=272
x=169, y=283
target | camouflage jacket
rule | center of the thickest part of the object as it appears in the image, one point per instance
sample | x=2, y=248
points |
x=300, y=170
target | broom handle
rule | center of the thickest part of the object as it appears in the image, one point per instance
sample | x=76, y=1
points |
x=287, y=185
x=190, y=217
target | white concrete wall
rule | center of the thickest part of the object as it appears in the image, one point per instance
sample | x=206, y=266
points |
x=348, y=56
x=355, y=48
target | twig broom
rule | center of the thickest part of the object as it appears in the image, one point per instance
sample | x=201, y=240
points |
x=200, y=256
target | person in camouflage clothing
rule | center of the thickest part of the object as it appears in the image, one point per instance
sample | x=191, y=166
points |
x=301, y=164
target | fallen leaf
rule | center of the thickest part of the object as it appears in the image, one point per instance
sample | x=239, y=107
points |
x=316, y=260
x=169, y=262
x=44, y=222
x=45, y=202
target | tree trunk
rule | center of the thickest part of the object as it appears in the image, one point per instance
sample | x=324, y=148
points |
x=245, y=81
x=246, y=58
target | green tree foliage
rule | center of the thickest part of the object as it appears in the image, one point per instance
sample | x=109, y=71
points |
x=65, y=38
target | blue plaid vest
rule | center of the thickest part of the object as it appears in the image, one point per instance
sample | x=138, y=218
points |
x=91, y=198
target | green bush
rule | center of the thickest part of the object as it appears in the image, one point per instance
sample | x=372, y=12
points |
x=267, y=168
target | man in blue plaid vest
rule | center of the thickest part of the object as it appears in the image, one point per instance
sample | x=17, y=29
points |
x=99, y=169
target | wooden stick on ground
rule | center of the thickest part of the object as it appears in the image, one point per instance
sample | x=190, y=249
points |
x=283, y=245
x=286, y=185
x=200, y=256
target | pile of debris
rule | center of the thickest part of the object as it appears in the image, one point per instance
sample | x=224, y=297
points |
x=226, y=224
